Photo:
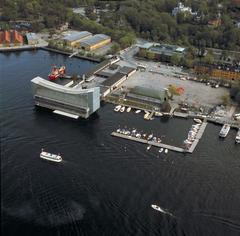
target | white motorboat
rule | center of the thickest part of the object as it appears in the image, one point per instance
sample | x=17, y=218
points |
x=197, y=121
x=224, y=130
x=50, y=157
x=237, y=139
x=122, y=109
x=146, y=116
x=117, y=108
x=148, y=147
x=158, y=114
x=129, y=109
x=157, y=208
x=160, y=150
x=137, y=111
x=150, y=136
x=166, y=151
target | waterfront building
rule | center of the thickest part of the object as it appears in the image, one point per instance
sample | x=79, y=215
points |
x=74, y=101
x=95, y=42
x=32, y=38
x=74, y=38
x=10, y=38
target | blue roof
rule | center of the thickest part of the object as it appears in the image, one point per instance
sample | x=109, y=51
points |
x=77, y=36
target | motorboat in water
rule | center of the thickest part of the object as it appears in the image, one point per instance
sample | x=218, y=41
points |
x=117, y=108
x=129, y=109
x=158, y=114
x=237, y=139
x=148, y=147
x=197, y=121
x=160, y=150
x=224, y=130
x=150, y=136
x=166, y=151
x=50, y=157
x=122, y=109
x=137, y=111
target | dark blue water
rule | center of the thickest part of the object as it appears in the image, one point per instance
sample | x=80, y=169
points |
x=105, y=185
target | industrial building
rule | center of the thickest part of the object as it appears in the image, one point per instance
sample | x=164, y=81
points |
x=75, y=102
x=32, y=38
x=148, y=95
x=95, y=42
x=163, y=52
x=73, y=39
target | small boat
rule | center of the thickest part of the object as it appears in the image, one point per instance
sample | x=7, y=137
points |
x=137, y=111
x=158, y=114
x=129, y=109
x=148, y=147
x=184, y=109
x=166, y=151
x=146, y=116
x=224, y=130
x=237, y=139
x=118, y=130
x=150, y=136
x=197, y=121
x=50, y=157
x=138, y=135
x=117, y=108
x=158, y=208
x=122, y=109
x=160, y=150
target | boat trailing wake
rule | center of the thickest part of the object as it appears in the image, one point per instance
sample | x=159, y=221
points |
x=164, y=211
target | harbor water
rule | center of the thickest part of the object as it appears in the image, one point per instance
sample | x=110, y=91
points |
x=106, y=185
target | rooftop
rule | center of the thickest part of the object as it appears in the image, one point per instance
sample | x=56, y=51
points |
x=113, y=79
x=126, y=70
x=32, y=36
x=94, y=39
x=167, y=49
x=77, y=36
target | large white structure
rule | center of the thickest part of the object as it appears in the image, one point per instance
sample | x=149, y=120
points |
x=181, y=8
x=73, y=101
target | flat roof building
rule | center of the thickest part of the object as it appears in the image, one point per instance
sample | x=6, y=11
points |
x=164, y=52
x=95, y=42
x=74, y=38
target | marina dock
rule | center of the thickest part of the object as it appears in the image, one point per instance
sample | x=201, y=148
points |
x=140, y=140
x=198, y=137
x=166, y=146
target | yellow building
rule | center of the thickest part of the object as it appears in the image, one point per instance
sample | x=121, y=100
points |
x=95, y=42
x=218, y=73
x=73, y=39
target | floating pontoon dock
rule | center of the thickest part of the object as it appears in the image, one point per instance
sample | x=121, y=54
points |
x=162, y=145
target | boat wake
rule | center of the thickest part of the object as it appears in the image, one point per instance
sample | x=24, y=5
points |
x=223, y=220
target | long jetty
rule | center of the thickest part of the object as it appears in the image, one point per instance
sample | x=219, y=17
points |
x=167, y=146
x=140, y=140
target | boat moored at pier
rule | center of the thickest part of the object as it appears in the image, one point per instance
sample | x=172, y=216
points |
x=224, y=130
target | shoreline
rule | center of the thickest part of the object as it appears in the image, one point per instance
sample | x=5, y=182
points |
x=45, y=48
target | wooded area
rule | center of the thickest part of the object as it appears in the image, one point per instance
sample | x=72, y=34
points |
x=149, y=19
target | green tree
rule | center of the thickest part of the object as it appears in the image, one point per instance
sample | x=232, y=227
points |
x=175, y=59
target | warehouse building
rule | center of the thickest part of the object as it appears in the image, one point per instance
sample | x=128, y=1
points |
x=148, y=95
x=73, y=40
x=95, y=42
